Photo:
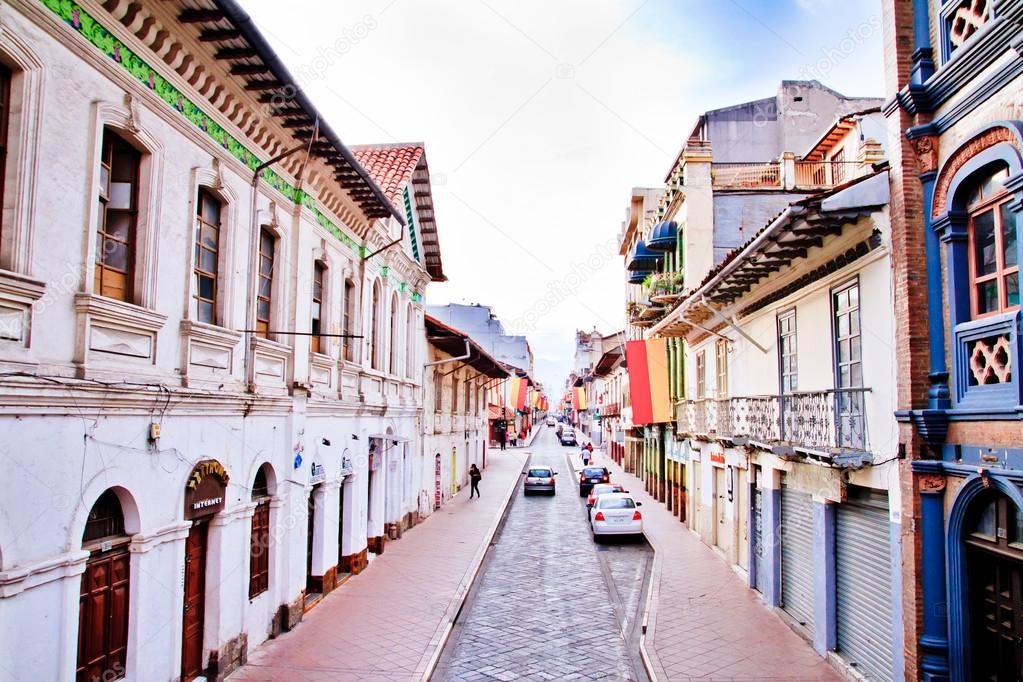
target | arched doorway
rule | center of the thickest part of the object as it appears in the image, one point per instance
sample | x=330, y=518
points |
x=103, y=600
x=993, y=546
x=205, y=495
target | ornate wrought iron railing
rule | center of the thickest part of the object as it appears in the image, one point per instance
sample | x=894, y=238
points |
x=833, y=420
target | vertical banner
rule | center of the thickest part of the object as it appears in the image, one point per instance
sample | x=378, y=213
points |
x=579, y=398
x=518, y=393
x=648, y=381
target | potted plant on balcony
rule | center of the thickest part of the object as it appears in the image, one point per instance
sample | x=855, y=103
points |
x=666, y=288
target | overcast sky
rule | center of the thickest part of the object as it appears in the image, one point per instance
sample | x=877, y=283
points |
x=540, y=116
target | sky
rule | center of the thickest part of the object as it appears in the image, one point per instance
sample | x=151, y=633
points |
x=540, y=116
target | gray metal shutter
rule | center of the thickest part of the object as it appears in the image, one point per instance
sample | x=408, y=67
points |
x=863, y=578
x=797, y=556
x=758, y=538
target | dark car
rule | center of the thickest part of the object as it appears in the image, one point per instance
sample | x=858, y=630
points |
x=590, y=476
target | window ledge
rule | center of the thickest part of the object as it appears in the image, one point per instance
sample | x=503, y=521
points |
x=19, y=286
x=119, y=312
x=210, y=333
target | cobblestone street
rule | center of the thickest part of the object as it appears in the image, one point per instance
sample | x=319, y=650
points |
x=550, y=603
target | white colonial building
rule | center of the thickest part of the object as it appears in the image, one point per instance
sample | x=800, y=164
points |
x=790, y=440
x=211, y=341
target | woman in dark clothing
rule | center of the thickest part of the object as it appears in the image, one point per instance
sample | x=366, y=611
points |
x=474, y=478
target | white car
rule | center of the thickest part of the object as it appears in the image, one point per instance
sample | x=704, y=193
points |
x=616, y=514
x=551, y=421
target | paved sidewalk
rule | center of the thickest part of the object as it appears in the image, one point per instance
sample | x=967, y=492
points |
x=388, y=622
x=703, y=622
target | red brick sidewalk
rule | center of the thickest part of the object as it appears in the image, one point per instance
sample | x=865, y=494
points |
x=703, y=622
x=388, y=622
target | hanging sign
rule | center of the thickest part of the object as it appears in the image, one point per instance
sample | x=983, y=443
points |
x=206, y=489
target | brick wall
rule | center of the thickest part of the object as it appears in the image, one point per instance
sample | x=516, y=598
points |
x=910, y=297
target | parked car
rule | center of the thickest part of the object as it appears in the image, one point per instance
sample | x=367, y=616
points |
x=602, y=488
x=590, y=476
x=616, y=514
x=567, y=436
x=551, y=421
x=539, y=479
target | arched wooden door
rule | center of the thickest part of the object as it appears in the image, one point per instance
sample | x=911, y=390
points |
x=104, y=597
x=994, y=568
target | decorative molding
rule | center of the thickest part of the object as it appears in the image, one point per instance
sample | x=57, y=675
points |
x=931, y=483
x=985, y=139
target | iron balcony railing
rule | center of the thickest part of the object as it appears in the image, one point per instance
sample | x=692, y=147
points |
x=833, y=420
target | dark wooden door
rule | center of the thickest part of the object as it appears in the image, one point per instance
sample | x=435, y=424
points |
x=195, y=601
x=340, y=523
x=310, y=533
x=996, y=611
x=103, y=616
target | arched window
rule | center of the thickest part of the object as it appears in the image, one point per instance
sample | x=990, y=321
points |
x=348, y=323
x=103, y=598
x=393, y=350
x=208, y=210
x=994, y=248
x=317, y=344
x=259, y=543
x=264, y=289
x=118, y=217
x=410, y=342
x=375, y=352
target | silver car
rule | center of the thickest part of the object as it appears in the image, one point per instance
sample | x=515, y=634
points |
x=539, y=479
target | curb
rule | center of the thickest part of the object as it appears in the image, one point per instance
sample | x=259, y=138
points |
x=458, y=601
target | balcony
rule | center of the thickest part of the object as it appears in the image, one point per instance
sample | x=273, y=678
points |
x=825, y=425
x=785, y=173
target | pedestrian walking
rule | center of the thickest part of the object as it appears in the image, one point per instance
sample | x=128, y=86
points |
x=585, y=454
x=502, y=436
x=474, y=478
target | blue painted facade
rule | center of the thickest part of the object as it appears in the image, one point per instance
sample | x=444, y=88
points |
x=967, y=438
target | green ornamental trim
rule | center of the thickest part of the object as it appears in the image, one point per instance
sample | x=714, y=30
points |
x=410, y=216
x=101, y=38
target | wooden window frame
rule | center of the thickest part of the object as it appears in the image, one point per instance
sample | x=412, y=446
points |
x=993, y=204
x=856, y=337
x=392, y=350
x=316, y=342
x=783, y=338
x=259, y=549
x=205, y=195
x=6, y=75
x=454, y=394
x=348, y=314
x=264, y=324
x=375, y=352
x=701, y=374
x=110, y=142
x=721, y=368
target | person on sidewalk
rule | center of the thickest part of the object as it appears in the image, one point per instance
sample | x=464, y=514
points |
x=474, y=478
x=585, y=454
x=502, y=436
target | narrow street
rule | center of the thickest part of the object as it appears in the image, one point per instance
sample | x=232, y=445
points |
x=550, y=603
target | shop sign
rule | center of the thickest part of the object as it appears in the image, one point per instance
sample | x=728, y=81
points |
x=317, y=474
x=206, y=490
x=346, y=466
x=717, y=457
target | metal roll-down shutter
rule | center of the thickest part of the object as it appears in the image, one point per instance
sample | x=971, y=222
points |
x=797, y=556
x=863, y=583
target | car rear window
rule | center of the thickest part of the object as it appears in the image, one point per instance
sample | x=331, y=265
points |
x=616, y=503
x=540, y=473
x=591, y=472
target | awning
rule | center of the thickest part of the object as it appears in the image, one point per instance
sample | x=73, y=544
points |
x=452, y=342
x=663, y=237
x=642, y=258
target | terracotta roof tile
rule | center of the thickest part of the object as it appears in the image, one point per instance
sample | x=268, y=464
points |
x=390, y=165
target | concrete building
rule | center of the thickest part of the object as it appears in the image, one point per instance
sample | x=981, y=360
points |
x=455, y=434
x=212, y=366
x=954, y=72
